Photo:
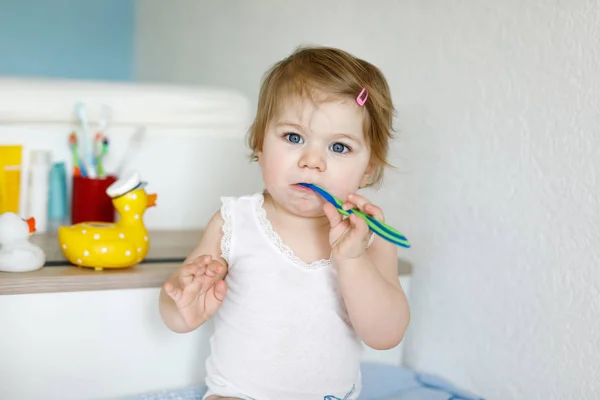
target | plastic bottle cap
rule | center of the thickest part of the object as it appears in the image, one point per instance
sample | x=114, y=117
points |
x=40, y=157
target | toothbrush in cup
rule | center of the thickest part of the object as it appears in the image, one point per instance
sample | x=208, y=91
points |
x=78, y=167
x=383, y=230
x=87, y=155
x=100, y=151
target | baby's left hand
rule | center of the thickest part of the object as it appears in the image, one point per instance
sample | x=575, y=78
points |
x=348, y=237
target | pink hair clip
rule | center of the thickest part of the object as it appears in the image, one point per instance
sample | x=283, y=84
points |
x=360, y=100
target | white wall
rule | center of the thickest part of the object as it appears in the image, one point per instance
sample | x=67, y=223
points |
x=499, y=154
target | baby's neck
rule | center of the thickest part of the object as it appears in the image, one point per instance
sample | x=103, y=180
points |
x=307, y=237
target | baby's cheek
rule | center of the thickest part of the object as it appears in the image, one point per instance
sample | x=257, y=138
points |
x=347, y=181
x=342, y=189
x=274, y=176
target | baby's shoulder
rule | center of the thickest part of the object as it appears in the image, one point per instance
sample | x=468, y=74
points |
x=251, y=199
x=240, y=207
x=237, y=214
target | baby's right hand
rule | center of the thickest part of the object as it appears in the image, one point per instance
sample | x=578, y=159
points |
x=200, y=290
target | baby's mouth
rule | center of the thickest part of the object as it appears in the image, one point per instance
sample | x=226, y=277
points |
x=299, y=186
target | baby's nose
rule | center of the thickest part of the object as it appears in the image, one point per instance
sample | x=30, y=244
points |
x=313, y=159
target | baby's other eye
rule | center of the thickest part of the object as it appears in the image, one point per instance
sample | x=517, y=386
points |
x=339, y=148
x=293, y=137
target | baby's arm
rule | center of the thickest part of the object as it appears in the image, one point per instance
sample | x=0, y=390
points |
x=210, y=244
x=375, y=300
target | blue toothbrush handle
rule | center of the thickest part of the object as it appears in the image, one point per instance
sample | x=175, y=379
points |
x=385, y=231
x=382, y=230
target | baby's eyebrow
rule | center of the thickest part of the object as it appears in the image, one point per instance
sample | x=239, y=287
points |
x=286, y=123
x=347, y=136
x=335, y=135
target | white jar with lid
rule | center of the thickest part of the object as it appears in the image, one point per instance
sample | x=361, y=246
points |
x=38, y=188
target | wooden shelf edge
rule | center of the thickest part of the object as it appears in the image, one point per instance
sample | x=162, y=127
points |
x=165, y=244
x=76, y=279
x=80, y=279
x=69, y=278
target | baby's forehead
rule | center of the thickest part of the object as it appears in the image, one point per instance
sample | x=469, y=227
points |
x=336, y=115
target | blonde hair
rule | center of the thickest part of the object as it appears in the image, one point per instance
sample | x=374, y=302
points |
x=335, y=73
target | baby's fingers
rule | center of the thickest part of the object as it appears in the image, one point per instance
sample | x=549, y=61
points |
x=364, y=205
x=188, y=289
x=359, y=226
x=215, y=297
x=173, y=292
x=215, y=269
x=190, y=272
x=220, y=291
x=334, y=217
x=214, y=272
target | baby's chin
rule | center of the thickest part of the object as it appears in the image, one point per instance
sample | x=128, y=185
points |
x=312, y=213
x=305, y=207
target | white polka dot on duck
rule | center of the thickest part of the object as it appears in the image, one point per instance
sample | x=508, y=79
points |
x=83, y=231
x=64, y=246
x=128, y=253
x=96, y=236
x=139, y=249
x=86, y=253
x=104, y=249
x=122, y=235
x=134, y=196
x=136, y=216
x=126, y=208
x=146, y=238
x=79, y=261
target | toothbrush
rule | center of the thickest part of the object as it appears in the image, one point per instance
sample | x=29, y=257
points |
x=100, y=150
x=134, y=145
x=101, y=141
x=385, y=231
x=78, y=169
x=86, y=154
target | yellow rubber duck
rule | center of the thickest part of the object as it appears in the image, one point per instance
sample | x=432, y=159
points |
x=112, y=245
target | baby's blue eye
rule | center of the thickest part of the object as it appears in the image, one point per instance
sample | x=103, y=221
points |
x=293, y=137
x=339, y=148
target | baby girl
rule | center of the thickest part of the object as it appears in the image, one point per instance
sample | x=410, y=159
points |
x=292, y=286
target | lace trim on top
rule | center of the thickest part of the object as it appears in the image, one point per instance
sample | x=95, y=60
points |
x=261, y=214
x=226, y=214
x=273, y=236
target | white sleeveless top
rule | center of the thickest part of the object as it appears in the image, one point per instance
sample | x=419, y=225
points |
x=282, y=331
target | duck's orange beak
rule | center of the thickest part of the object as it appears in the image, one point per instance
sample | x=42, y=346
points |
x=31, y=223
x=151, y=200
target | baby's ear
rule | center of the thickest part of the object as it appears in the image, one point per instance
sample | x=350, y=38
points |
x=364, y=182
x=366, y=179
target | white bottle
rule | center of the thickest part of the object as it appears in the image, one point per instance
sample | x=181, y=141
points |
x=38, y=190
